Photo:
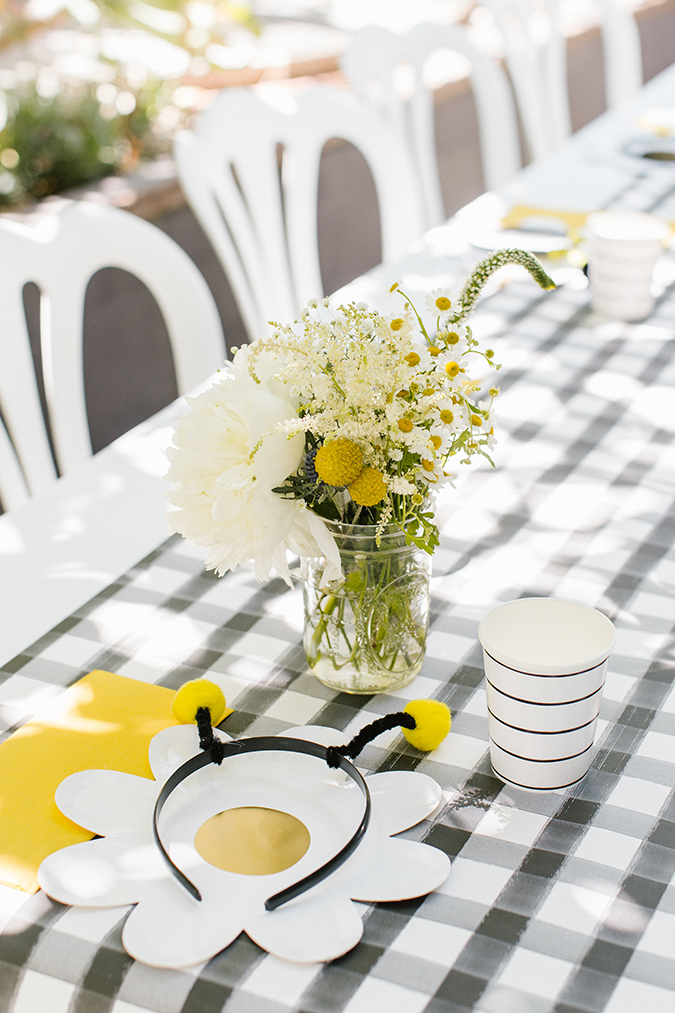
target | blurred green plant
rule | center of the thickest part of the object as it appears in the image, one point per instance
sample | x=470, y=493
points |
x=59, y=128
x=53, y=144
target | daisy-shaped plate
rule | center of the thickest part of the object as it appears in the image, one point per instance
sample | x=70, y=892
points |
x=168, y=927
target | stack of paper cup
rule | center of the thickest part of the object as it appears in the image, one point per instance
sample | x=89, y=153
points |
x=624, y=247
x=545, y=666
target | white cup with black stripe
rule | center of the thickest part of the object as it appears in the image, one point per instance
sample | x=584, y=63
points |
x=545, y=666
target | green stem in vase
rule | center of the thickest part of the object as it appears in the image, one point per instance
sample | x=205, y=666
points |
x=321, y=628
x=366, y=632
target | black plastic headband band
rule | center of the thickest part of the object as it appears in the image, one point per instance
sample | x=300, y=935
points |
x=222, y=750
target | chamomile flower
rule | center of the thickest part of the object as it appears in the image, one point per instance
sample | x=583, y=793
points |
x=430, y=471
x=453, y=339
x=424, y=359
x=440, y=301
x=440, y=437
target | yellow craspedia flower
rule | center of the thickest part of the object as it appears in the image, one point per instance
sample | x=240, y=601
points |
x=412, y=358
x=447, y=416
x=433, y=720
x=195, y=694
x=443, y=303
x=452, y=368
x=338, y=462
x=369, y=488
x=396, y=324
x=405, y=425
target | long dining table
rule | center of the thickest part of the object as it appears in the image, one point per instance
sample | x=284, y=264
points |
x=557, y=901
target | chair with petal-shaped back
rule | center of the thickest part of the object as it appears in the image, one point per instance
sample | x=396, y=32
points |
x=371, y=65
x=60, y=255
x=535, y=52
x=250, y=171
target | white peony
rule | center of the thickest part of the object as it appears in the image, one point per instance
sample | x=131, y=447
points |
x=223, y=497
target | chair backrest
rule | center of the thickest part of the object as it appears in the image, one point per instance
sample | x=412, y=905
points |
x=250, y=171
x=370, y=65
x=535, y=50
x=60, y=255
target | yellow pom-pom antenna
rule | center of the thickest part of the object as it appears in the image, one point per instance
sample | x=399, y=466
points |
x=432, y=719
x=195, y=694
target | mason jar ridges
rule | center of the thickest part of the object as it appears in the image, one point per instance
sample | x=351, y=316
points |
x=366, y=632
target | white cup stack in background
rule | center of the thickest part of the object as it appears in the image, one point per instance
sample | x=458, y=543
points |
x=545, y=666
x=623, y=249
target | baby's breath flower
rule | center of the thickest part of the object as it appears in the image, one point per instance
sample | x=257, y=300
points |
x=401, y=486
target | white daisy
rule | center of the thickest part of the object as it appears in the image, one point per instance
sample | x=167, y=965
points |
x=439, y=301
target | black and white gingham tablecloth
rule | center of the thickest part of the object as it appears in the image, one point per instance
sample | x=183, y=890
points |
x=557, y=901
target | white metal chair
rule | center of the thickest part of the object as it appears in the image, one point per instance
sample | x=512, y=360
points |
x=60, y=255
x=535, y=51
x=250, y=171
x=370, y=65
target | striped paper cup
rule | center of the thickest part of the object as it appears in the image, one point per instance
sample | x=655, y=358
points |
x=545, y=666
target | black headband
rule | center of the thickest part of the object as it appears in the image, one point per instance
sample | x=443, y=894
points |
x=219, y=751
x=214, y=750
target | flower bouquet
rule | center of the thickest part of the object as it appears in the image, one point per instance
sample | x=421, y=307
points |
x=329, y=439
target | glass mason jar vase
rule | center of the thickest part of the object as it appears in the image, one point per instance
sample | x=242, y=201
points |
x=367, y=632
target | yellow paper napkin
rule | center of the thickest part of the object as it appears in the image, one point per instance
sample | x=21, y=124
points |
x=102, y=721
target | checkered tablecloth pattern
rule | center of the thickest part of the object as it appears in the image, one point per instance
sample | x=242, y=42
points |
x=557, y=902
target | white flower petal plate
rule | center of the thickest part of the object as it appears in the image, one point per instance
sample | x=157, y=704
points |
x=167, y=927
